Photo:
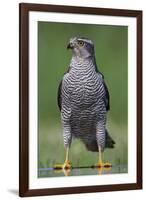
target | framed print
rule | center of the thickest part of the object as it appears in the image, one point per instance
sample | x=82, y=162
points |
x=80, y=99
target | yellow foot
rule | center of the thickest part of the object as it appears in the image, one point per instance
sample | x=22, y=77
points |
x=66, y=165
x=58, y=167
x=107, y=165
x=100, y=164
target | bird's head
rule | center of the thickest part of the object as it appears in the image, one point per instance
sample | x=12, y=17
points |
x=81, y=47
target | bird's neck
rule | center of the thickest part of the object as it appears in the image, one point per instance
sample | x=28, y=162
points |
x=83, y=64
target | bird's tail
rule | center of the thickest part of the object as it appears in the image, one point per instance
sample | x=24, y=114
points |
x=91, y=145
x=109, y=141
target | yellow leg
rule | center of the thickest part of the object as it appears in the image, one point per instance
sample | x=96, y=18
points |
x=100, y=163
x=67, y=164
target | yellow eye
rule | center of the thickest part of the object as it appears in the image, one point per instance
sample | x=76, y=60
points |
x=81, y=43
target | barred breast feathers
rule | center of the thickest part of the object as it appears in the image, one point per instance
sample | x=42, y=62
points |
x=82, y=87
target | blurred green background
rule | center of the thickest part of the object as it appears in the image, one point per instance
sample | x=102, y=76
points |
x=111, y=48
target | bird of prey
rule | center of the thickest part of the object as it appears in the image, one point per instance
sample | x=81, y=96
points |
x=83, y=99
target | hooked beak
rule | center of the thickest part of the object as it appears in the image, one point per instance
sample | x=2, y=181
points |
x=70, y=46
